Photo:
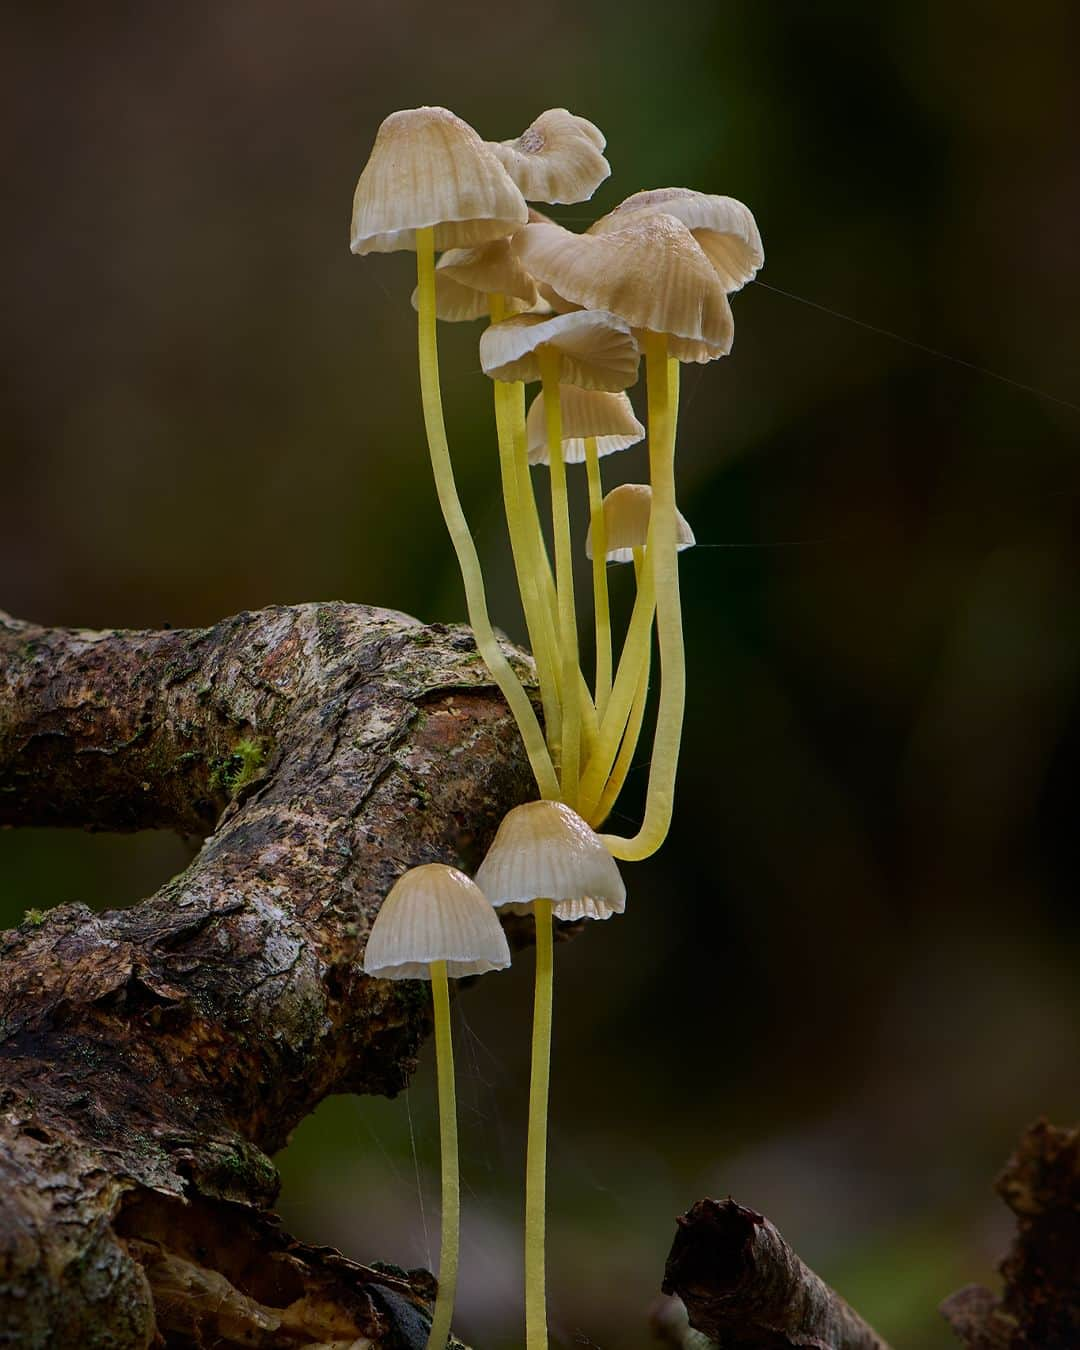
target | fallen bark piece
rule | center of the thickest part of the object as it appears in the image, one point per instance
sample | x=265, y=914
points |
x=1040, y=1304
x=745, y=1288
x=151, y=1058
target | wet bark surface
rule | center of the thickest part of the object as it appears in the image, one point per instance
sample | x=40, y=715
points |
x=151, y=1058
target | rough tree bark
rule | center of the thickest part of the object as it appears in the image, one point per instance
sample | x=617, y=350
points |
x=151, y=1058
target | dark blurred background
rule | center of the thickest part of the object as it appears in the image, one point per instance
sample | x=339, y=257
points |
x=849, y=979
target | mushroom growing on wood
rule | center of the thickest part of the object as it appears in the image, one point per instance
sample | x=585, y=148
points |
x=432, y=182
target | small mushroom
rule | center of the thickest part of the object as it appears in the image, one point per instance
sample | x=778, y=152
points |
x=430, y=170
x=436, y=923
x=627, y=510
x=466, y=278
x=724, y=227
x=546, y=860
x=557, y=159
x=431, y=182
x=607, y=418
x=595, y=349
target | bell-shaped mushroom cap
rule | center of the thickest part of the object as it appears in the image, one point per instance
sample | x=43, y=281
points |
x=585, y=412
x=429, y=168
x=545, y=851
x=557, y=159
x=651, y=272
x=597, y=349
x=724, y=227
x=435, y=913
x=465, y=277
x=626, y=523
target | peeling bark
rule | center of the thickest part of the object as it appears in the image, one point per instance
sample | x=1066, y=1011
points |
x=1040, y=1304
x=151, y=1058
x=744, y=1287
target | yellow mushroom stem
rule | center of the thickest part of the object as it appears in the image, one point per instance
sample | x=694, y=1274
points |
x=564, y=581
x=448, y=1142
x=662, y=375
x=635, y=652
x=534, y=602
x=536, y=1337
x=458, y=528
x=632, y=735
x=601, y=611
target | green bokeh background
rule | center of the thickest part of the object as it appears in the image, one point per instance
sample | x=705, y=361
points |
x=850, y=977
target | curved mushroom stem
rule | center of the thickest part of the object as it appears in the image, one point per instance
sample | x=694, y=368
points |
x=636, y=648
x=564, y=581
x=598, y=534
x=536, y=1155
x=632, y=735
x=448, y=1142
x=662, y=374
x=458, y=528
x=534, y=603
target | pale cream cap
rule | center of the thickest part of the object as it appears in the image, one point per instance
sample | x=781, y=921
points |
x=725, y=228
x=626, y=523
x=545, y=851
x=435, y=913
x=585, y=412
x=466, y=277
x=429, y=168
x=558, y=159
x=651, y=272
x=597, y=349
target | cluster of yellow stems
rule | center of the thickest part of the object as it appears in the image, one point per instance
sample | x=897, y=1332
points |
x=574, y=312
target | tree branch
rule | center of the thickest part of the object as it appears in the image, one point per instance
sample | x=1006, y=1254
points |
x=151, y=1058
x=745, y=1288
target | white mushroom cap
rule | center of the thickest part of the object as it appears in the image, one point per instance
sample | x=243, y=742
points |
x=465, y=277
x=545, y=851
x=651, y=272
x=725, y=229
x=597, y=349
x=557, y=159
x=626, y=523
x=585, y=413
x=429, y=168
x=435, y=913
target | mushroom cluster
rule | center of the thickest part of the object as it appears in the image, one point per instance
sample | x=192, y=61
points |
x=574, y=313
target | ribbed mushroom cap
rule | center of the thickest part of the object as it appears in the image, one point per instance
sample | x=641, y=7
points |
x=429, y=168
x=435, y=913
x=651, y=272
x=626, y=523
x=465, y=277
x=545, y=851
x=585, y=412
x=724, y=227
x=557, y=159
x=597, y=349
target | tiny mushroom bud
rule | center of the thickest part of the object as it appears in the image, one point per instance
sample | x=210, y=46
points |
x=557, y=159
x=626, y=523
x=430, y=170
x=595, y=349
x=724, y=227
x=545, y=851
x=585, y=413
